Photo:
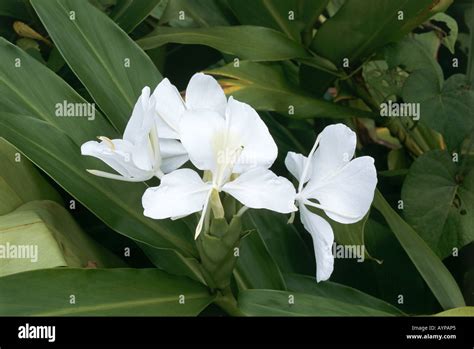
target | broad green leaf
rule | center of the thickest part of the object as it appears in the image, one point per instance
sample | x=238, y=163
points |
x=130, y=13
x=20, y=181
x=265, y=87
x=195, y=13
x=290, y=17
x=464, y=311
x=448, y=224
x=383, y=83
x=335, y=291
x=101, y=292
x=279, y=303
x=433, y=271
x=449, y=39
x=282, y=240
x=447, y=109
x=245, y=42
x=255, y=267
x=52, y=142
x=358, y=30
x=48, y=231
x=116, y=70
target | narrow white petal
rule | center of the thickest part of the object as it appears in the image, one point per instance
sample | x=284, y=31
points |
x=180, y=193
x=247, y=130
x=203, y=136
x=323, y=239
x=118, y=177
x=173, y=153
x=117, y=154
x=337, y=144
x=295, y=164
x=347, y=194
x=169, y=108
x=204, y=93
x=261, y=188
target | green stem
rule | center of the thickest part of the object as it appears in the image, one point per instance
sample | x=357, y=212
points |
x=227, y=302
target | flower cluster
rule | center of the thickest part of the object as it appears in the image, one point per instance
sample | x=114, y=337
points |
x=231, y=145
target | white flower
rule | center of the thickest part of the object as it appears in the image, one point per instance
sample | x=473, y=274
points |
x=329, y=180
x=236, y=149
x=140, y=155
x=202, y=93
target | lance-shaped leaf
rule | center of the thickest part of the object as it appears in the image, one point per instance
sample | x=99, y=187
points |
x=245, y=42
x=130, y=13
x=116, y=70
x=101, y=292
x=433, y=271
x=265, y=87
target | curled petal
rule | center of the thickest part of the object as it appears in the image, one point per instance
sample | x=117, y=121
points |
x=180, y=193
x=142, y=117
x=323, y=239
x=295, y=164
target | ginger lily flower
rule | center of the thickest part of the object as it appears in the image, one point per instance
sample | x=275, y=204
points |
x=329, y=180
x=234, y=149
x=140, y=155
x=202, y=93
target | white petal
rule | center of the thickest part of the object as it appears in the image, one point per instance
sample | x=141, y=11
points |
x=169, y=108
x=204, y=93
x=346, y=196
x=202, y=135
x=141, y=120
x=323, y=239
x=117, y=176
x=246, y=129
x=295, y=164
x=180, y=193
x=117, y=154
x=261, y=188
x=173, y=153
x=336, y=148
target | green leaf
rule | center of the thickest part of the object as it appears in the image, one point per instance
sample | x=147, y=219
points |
x=288, y=16
x=245, y=42
x=15, y=8
x=130, y=13
x=464, y=311
x=288, y=303
x=358, y=30
x=265, y=87
x=47, y=228
x=282, y=240
x=433, y=271
x=448, y=224
x=101, y=292
x=197, y=13
x=446, y=108
x=29, y=122
x=255, y=267
x=116, y=70
x=335, y=291
x=20, y=181
x=449, y=39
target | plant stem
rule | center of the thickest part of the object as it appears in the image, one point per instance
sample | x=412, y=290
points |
x=227, y=302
